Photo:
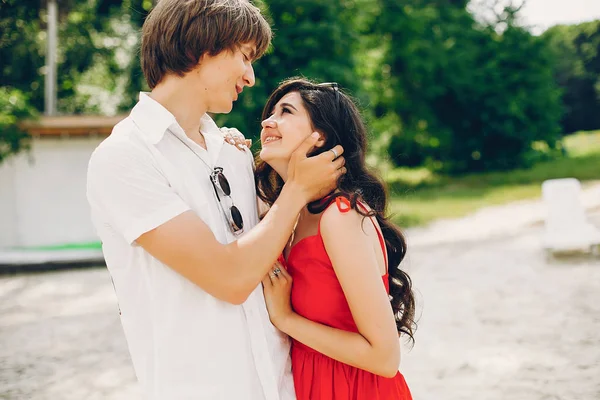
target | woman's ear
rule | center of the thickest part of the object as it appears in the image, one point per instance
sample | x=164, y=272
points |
x=321, y=141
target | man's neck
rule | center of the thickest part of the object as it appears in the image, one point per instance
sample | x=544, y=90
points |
x=184, y=103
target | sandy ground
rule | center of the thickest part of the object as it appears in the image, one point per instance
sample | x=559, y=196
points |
x=498, y=320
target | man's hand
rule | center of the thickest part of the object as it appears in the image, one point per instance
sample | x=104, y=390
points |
x=315, y=176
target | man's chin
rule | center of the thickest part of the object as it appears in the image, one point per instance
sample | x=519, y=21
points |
x=224, y=109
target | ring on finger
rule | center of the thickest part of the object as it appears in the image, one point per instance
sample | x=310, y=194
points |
x=335, y=154
x=276, y=271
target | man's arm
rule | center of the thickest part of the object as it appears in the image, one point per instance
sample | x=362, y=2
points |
x=228, y=272
x=231, y=272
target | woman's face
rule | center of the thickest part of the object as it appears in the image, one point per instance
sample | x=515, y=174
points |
x=287, y=127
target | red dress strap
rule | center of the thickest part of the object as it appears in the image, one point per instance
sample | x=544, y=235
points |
x=343, y=204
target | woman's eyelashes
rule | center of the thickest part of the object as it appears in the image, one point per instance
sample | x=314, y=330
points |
x=284, y=110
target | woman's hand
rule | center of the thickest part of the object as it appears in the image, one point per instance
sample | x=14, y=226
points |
x=277, y=287
x=235, y=138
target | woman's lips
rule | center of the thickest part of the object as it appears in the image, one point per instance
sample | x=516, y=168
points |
x=270, y=139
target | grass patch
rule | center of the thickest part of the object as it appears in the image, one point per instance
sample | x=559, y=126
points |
x=419, y=196
x=67, y=246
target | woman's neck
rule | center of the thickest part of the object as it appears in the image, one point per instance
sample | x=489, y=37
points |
x=281, y=168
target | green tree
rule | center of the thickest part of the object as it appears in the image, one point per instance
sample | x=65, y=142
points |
x=14, y=107
x=22, y=48
x=97, y=40
x=21, y=58
x=577, y=72
x=469, y=97
x=98, y=65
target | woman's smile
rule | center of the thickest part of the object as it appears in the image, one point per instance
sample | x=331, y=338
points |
x=270, y=139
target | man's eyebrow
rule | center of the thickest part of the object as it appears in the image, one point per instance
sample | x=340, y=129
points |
x=288, y=105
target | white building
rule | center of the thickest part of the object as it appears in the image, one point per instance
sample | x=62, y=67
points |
x=42, y=191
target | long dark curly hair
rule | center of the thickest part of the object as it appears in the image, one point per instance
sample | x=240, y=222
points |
x=335, y=115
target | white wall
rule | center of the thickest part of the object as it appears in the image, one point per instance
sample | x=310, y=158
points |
x=48, y=200
x=8, y=211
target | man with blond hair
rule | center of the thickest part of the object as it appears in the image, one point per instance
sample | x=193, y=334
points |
x=175, y=208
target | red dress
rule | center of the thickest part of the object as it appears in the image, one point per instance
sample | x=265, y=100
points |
x=317, y=295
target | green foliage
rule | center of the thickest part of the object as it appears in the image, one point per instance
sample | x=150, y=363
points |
x=21, y=58
x=470, y=98
x=96, y=52
x=577, y=71
x=420, y=196
x=14, y=107
x=98, y=61
x=22, y=48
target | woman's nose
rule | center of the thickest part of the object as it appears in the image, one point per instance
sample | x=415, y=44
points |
x=269, y=123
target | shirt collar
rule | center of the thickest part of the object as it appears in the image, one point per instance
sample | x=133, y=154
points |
x=212, y=136
x=154, y=120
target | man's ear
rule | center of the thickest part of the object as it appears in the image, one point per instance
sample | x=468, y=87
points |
x=205, y=56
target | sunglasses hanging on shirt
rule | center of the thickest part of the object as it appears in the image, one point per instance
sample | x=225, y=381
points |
x=222, y=191
x=221, y=184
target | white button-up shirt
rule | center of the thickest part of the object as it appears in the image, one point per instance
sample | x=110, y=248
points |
x=184, y=343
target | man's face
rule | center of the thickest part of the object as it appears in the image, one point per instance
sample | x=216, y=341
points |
x=223, y=77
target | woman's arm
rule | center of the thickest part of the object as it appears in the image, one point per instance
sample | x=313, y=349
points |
x=376, y=347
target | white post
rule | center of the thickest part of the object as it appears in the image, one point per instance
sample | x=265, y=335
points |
x=50, y=82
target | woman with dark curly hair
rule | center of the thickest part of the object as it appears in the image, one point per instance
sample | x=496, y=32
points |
x=349, y=300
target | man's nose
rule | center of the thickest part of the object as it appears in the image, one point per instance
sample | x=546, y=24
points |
x=249, y=78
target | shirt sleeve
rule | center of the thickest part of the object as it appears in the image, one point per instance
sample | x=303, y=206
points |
x=126, y=189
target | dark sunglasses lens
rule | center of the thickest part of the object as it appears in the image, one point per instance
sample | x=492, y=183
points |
x=237, y=217
x=224, y=184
